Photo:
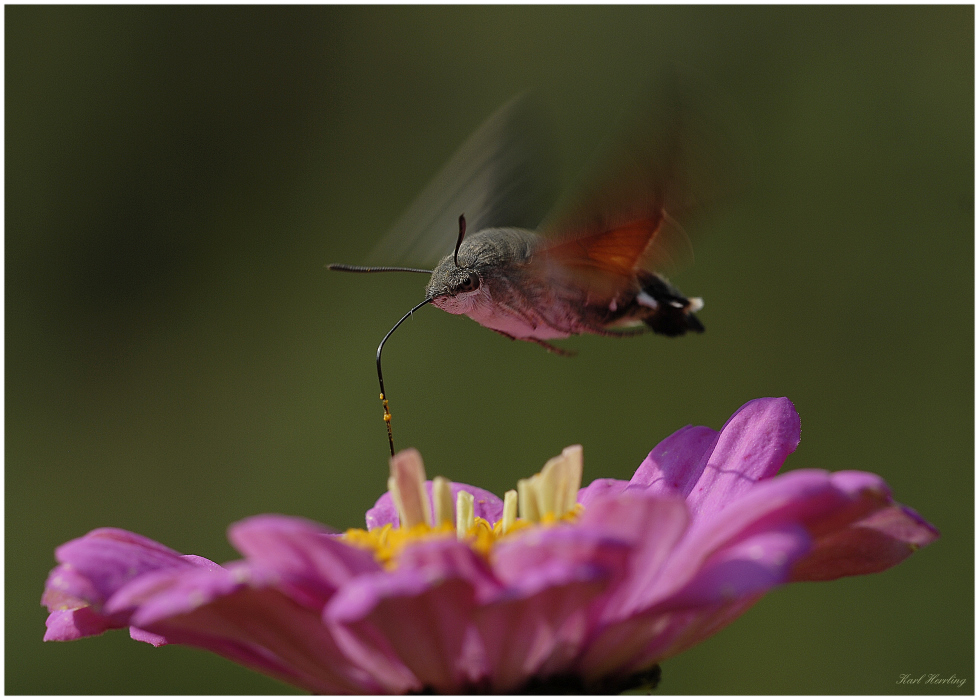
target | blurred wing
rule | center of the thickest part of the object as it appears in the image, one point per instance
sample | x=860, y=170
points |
x=503, y=175
x=617, y=250
x=603, y=262
x=673, y=162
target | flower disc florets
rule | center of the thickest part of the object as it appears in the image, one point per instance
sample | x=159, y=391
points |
x=425, y=511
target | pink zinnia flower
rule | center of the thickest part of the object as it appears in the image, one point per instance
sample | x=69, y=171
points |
x=449, y=590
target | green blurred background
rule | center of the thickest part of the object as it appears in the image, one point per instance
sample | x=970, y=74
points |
x=178, y=357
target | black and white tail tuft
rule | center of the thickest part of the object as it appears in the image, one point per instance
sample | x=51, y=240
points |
x=673, y=313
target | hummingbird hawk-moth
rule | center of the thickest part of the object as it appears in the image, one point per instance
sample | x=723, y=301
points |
x=588, y=267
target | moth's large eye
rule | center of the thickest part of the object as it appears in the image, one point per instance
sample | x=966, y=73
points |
x=469, y=284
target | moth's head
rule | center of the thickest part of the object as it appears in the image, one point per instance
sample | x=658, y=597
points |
x=455, y=288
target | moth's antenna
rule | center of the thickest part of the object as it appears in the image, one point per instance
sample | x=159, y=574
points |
x=462, y=234
x=380, y=377
x=360, y=268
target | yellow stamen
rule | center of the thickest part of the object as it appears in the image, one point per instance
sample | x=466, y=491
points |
x=481, y=536
x=464, y=514
x=559, y=481
x=442, y=496
x=548, y=482
x=516, y=526
x=509, y=511
x=527, y=496
x=572, y=467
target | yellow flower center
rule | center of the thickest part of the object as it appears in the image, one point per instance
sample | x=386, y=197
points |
x=547, y=498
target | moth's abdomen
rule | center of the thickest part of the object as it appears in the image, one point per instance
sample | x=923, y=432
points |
x=670, y=313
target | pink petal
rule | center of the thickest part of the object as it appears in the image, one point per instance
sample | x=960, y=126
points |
x=367, y=648
x=732, y=579
x=638, y=642
x=141, y=635
x=311, y=563
x=651, y=526
x=69, y=625
x=537, y=635
x=752, y=566
x=536, y=559
x=201, y=562
x=687, y=629
x=68, y=589
x=617, y=647
x=675, y=465
x=102, y=561
x=447, y=557
x=93, y=568
x=235, y=611
x=166, y=593
x=269, y=632
x=771, y=506
x=873, y=544
x=601, y=488
x=249, y=655
x=401, y=615
x=410, y=625
x=428, y=613
x=812, y=499
x=752, y=446
x=540, y=622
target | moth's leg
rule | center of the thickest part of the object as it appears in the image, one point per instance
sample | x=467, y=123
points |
x=547, y=346
x=552, y=348
x=531, y=320
x=623, y=333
